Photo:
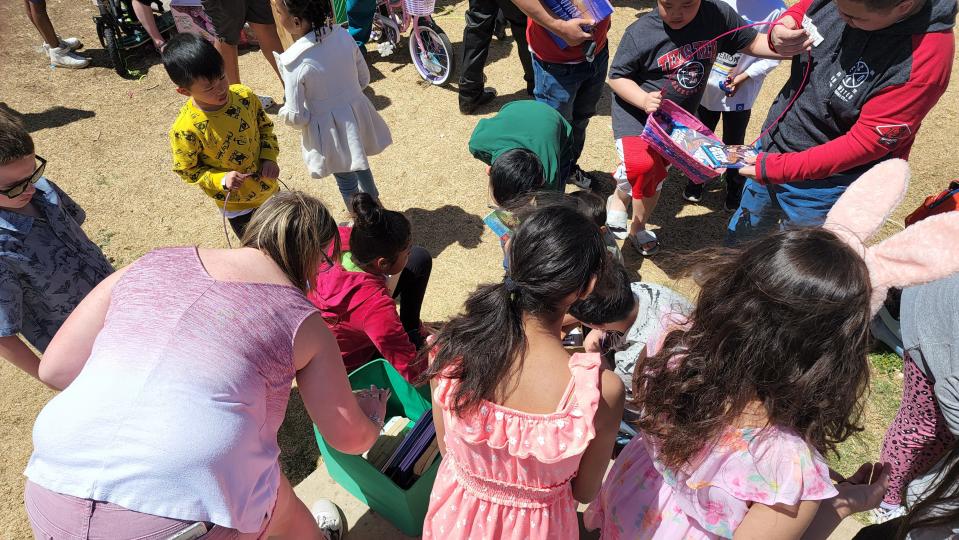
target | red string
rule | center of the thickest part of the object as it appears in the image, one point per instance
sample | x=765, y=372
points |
x=799, y=90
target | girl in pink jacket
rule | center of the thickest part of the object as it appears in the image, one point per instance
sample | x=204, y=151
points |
x=355, y=299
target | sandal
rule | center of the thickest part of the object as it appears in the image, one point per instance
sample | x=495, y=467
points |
x=616, y=221
x=642, y=239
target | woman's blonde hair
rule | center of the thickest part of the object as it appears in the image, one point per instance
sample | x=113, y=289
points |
x=296, y=231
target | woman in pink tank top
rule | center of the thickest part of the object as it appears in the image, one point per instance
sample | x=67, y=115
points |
x=176, y=373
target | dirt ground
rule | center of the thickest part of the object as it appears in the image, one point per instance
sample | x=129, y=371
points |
x=106, y=142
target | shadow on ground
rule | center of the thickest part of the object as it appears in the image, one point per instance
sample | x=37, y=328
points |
x=53, y=117
x=298, y=450
x=438, y=229
x=680, y=235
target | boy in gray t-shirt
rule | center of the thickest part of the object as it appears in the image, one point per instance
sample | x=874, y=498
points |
x=633, y=311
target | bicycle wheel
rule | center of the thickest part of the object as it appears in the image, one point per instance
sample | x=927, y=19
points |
x=434, y=62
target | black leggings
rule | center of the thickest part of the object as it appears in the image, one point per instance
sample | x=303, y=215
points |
x=734, y=132
x=410, y=290
x=239, y=223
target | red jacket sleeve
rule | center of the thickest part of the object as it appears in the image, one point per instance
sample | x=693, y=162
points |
x=887, y=124
x=382, y=325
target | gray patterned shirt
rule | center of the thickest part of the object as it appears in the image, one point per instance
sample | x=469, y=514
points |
x=47, y=265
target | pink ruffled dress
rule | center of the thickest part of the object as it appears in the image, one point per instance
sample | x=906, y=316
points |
x=506, y=474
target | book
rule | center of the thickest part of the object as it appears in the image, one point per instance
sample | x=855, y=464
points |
x=427, y=458
x=597, y=10
x=709, y=151
x=501, y=223
x=391, y=436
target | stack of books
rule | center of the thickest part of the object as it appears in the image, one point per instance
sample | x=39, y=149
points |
x=414, y=454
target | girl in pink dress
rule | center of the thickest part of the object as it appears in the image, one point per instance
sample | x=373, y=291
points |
x=525, y=430
x=740, y=401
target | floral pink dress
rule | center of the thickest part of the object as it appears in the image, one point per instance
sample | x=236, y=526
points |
x=642, y=499
x=506, y=474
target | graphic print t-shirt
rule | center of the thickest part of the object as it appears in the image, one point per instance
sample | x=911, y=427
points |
x=659, y=58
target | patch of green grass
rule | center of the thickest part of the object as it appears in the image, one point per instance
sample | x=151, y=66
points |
x=886, y=362
x=882, y=403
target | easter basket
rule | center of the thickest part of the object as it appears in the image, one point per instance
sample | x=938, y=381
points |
x=689, y=145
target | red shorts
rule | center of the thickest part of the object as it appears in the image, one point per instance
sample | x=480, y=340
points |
x=641, y=169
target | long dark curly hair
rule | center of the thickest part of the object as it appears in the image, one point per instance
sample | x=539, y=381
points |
x=554, y=253
x=782, y=322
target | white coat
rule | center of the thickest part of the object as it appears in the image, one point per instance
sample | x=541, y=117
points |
x=324, y=81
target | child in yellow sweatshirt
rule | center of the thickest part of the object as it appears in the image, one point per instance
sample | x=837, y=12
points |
x=222, y=140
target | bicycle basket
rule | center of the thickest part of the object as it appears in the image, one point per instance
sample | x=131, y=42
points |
x=419, y=8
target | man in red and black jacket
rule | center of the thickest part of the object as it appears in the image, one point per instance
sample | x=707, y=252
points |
x=881, y=66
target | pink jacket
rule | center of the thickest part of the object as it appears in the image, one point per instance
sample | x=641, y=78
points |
x=362, y=315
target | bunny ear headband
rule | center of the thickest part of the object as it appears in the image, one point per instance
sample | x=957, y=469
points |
x=923, y=252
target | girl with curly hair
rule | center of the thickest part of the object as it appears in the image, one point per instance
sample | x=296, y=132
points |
x=740, y=400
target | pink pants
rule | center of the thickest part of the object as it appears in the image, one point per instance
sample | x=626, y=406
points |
x=54, y=516
x=918, y=436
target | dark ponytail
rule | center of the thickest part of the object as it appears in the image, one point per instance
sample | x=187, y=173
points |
x=377, y=232
x=318, y=12
x=554, y=253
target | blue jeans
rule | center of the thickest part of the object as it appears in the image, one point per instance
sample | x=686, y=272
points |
x=765, y=208
x=573, y=90
x=351, y=183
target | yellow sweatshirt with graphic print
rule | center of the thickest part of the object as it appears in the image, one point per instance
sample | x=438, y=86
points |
x=209, y=144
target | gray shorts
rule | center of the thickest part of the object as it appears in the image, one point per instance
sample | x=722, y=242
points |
x=229, y=16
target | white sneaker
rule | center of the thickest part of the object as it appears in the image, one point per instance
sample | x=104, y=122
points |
x=71, y=43
x=330, y=519
x=62, y=57
x=266, y=101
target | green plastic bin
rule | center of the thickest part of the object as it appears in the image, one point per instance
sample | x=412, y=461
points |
x=404, y=508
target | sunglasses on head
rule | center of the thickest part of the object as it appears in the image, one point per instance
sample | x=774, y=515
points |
x=18, y=188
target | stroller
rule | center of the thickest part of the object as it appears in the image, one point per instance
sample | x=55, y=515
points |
x=120, y=33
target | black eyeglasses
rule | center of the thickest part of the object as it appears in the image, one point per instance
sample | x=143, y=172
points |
x=17, y=189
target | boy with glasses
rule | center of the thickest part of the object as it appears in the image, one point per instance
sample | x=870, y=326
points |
x=47, y=263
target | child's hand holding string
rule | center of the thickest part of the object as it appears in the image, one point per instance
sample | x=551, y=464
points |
x=269, y=169
x=233, y=180
x=863, y=490
x=788, y=38
x=652, y=101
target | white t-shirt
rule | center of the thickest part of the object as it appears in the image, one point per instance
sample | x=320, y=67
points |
x=727, y=65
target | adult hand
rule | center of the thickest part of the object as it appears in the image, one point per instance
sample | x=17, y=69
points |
x=863, y=490
x=733, y=85
x=233, y=180
x=788, y=38
x=571, y=31
x=652, y=101
x=269, y=169
x=593, y=341
x=373, y=403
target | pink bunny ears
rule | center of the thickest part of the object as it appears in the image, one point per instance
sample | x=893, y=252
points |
x=924, y=252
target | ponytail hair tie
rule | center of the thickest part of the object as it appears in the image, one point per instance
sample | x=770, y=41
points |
x=511, y=285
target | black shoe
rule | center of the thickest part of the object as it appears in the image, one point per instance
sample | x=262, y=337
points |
x=693, y=192
x=470, y=106
x=734, y=195
x=581, y=178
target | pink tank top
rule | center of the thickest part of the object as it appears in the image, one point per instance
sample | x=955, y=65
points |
x=177, y=409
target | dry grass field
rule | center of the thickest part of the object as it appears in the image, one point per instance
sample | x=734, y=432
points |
x=106, y=142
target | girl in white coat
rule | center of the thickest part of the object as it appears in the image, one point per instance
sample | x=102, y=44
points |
x=325, y=74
